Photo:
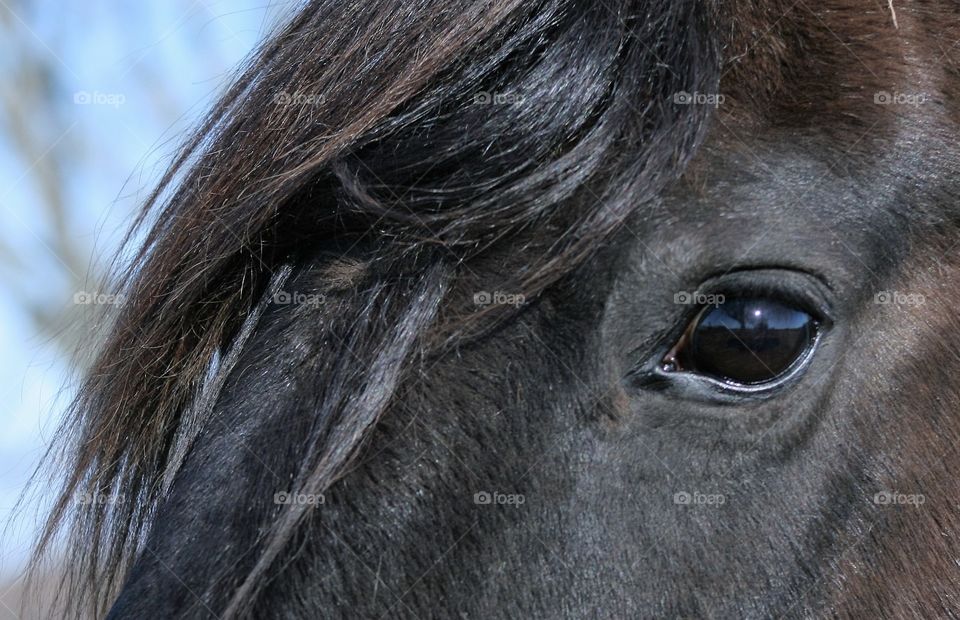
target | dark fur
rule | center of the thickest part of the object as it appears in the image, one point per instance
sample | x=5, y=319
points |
x=397, y=198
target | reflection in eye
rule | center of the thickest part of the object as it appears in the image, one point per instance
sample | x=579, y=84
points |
x=744, y=341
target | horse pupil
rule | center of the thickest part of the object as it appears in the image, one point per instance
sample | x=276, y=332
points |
x=750, y=340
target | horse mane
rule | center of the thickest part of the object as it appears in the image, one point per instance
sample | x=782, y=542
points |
x=432, y=131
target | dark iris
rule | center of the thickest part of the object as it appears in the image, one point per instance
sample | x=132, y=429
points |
x=745, y=340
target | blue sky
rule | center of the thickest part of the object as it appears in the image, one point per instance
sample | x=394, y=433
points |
x=126, y=80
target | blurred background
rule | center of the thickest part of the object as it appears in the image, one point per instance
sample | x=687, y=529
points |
x=95, y=97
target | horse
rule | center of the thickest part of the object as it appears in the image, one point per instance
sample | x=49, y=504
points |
x=544, y=308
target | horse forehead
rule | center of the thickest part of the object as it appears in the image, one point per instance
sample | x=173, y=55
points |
x=840, y=63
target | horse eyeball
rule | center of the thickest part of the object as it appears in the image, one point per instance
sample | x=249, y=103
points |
x=745, y=341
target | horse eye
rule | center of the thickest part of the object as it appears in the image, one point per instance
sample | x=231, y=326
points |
x=744, y=341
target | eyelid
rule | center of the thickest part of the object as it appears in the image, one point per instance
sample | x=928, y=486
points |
x=804, y=291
